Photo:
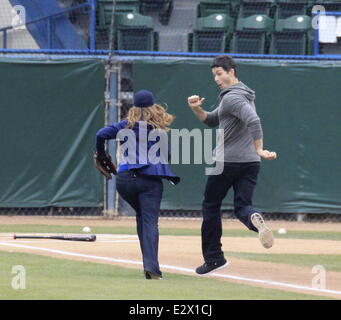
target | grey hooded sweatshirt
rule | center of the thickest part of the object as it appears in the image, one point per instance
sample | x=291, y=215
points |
x=236, y=115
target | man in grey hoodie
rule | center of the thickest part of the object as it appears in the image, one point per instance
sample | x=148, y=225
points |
x=242, y=151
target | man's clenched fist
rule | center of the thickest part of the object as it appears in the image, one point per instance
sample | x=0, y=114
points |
x=267, y=155
x=195, y=101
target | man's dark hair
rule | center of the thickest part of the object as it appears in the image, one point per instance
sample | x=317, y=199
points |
x=225, y=62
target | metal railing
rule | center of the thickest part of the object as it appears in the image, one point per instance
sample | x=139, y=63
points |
x=92, y=43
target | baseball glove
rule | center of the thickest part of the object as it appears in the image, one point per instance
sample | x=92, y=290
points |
x=104, y=165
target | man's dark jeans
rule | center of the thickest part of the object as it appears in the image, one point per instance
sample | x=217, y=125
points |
x=243, y=178
x=144, y=194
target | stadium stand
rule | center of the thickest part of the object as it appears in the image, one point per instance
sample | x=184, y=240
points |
x=135, y=32
x=288, y=8
x=176, y=25
x=174, y=36
x=211, y=33
x=252, y=34
x=162, y=7
x=291, y=36
x=209, y=7
x=252, y=7
x=104, y=11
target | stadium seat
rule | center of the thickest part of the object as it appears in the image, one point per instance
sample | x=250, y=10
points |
x=252, y=7
x=209, y=7
x=104, y=9
x=251, y=34
x=163, y=7
x=135, y=32
x=299, y=22
x=291, y=36
x=289, y=8
x=211, y=33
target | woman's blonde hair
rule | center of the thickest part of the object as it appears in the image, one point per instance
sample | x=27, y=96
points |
x=156, y=116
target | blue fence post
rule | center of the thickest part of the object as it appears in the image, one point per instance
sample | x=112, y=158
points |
x=316, y=42
x=49, y=36
x=93, y=25
x=4, y=39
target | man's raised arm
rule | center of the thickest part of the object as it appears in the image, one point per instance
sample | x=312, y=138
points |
x=209, y=118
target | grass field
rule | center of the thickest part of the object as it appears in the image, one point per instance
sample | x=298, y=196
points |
x=331, y=262
x=57, y=278
x=79, y=280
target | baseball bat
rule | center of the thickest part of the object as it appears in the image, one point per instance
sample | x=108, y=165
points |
x=70, y=237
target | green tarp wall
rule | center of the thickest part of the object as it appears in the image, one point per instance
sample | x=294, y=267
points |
x=50, y=111
x=49, y=114
x=300, y=109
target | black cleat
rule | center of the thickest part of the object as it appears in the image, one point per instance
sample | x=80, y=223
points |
x=152, y=275
x=208, y=267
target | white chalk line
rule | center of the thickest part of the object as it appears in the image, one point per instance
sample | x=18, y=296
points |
x=169, y=267
x=67, y=253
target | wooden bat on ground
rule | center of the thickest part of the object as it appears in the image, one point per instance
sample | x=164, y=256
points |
x=70, y=237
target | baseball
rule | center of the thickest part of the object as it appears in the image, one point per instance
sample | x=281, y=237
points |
x=282, y=231
x=86, y=229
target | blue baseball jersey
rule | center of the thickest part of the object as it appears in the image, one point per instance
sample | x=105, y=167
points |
x=143, y=148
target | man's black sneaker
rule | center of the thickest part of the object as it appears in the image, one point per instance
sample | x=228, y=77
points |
x=152, y=275
x=208, y=267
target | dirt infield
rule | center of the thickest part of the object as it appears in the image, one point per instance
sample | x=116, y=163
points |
x=178, y=252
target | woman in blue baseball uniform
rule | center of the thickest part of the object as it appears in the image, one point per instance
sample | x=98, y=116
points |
x=143, y=165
